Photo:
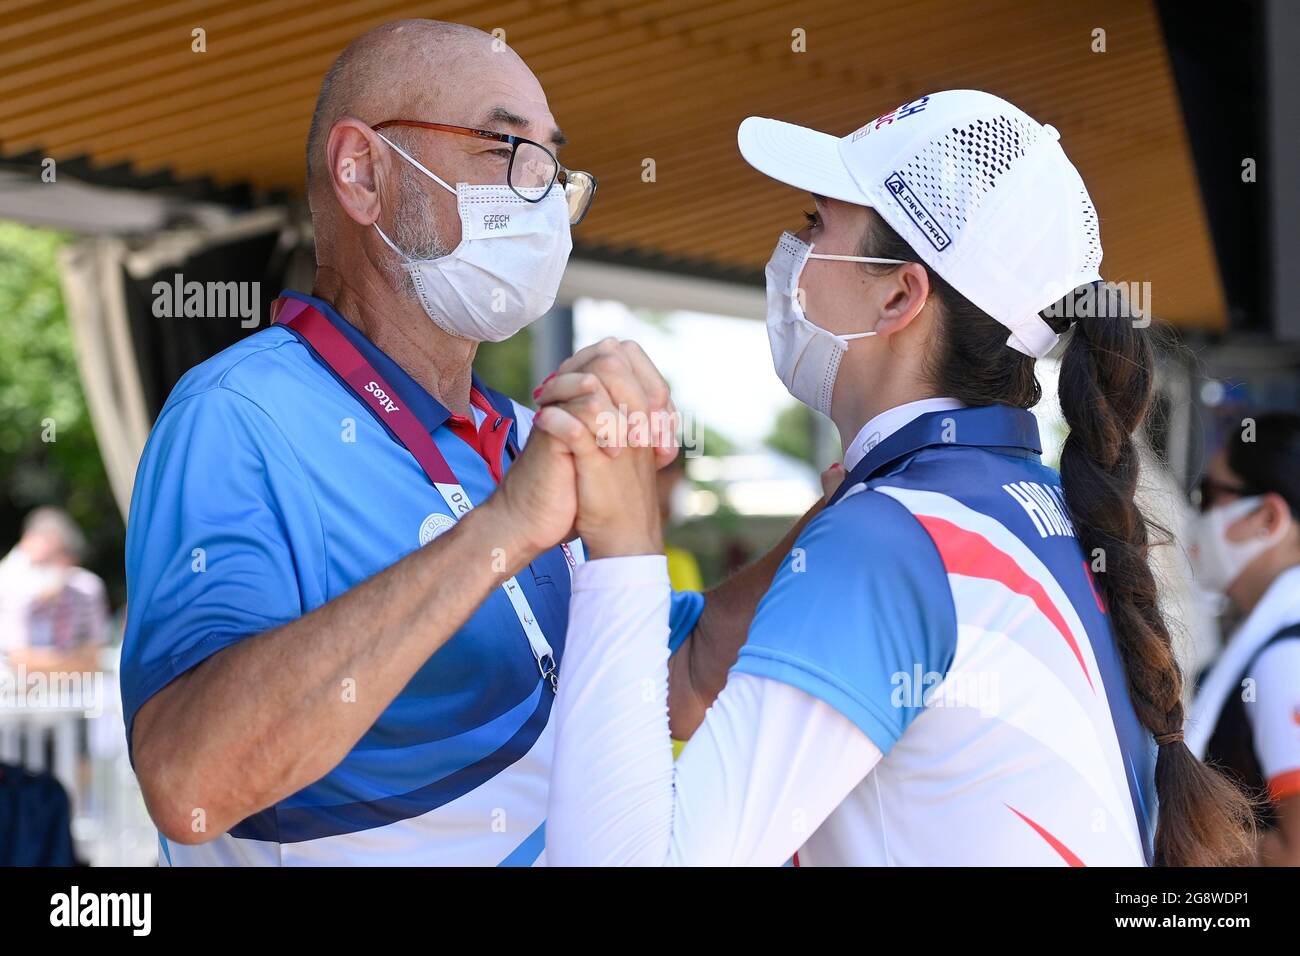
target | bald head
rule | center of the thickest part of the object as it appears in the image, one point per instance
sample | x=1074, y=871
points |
x=395, y=70
x=422, y=70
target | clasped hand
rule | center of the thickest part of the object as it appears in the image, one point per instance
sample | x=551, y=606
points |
x=606, y=424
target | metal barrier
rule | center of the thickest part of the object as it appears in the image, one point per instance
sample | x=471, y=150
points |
x=110, y=825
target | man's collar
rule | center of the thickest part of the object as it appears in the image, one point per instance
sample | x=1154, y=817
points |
x=997, y=427
x=431, y=413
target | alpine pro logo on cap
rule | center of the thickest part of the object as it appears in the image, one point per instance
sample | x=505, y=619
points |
x=917, y=212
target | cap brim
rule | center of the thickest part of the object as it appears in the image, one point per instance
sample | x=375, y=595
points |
x=799, y=157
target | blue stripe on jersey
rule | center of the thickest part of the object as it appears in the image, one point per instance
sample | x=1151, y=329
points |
x=969, y=455
x=977, y=482
x=375, y=773
x=295, y=824
x=858, y=626
x=526, y=853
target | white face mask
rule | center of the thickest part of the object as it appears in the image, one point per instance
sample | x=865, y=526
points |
x=506, y=271
x=1218, y=562
x=806, y=356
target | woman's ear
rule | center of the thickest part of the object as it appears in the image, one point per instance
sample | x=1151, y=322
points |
x=352, y=157
x=906, y=291
x=1274, y=512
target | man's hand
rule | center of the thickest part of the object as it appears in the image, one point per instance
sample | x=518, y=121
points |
x=536, y=503
x=618, y=510
x=610, y=408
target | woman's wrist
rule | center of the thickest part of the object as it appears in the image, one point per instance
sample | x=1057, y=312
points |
x=615, y=542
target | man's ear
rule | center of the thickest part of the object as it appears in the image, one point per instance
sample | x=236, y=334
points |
x=907, y=289
x=352, y=153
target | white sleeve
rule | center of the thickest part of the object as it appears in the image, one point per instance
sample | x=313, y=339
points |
x=764, y=770
x=1275, y=717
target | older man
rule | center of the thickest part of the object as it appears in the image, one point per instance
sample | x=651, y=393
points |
x=301, y=537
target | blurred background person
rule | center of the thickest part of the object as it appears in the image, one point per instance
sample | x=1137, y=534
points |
x=1246, y=547
x=53, y=613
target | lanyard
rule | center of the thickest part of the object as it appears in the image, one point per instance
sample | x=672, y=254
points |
x=366, y=383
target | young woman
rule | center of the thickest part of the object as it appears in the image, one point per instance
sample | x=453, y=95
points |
x=1246, y=718
x=960, y=661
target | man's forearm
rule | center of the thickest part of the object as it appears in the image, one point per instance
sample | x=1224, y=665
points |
x=698, y=671
x=270, y=715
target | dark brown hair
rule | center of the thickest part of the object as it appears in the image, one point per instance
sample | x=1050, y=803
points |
x=1270, y=461
x=1106, y=386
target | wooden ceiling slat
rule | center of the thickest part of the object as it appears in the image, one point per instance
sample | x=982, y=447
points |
x=130, y=83
x=667, y=79
x=159, y=59
x=42, y=16
x=147, y=61
x=689, y=118
x=95, y=40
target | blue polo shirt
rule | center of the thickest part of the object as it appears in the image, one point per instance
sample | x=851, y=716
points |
x=267, y=489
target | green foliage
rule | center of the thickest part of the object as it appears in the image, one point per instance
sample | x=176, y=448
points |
x=794, y=433
x=714, y=443
x=508, y=366
x=40, y=394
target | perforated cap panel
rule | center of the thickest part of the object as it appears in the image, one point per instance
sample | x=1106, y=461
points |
x=1092, y=257
x=955, y=173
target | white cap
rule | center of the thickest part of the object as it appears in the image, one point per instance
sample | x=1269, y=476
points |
x=981, y=191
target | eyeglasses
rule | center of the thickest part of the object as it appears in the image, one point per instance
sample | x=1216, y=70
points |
x=533, y=168
x=1208, y=492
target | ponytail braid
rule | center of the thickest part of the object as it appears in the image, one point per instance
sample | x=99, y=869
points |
x=1105, y=389
x=1107, y=378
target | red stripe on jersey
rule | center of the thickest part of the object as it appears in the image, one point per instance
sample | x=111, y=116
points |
x=1096, y=596
x=973, y=555
x=1065, y=852
x=1284, y=785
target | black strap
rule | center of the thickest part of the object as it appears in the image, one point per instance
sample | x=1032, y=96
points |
x=1290, y=632
x=1231, y=746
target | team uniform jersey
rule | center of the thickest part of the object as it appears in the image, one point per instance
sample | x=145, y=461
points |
x=1275, y=724
x=1246, y=716
x=938, y=623
x=267, y=490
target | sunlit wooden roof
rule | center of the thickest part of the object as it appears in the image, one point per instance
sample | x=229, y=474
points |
x=115, y=82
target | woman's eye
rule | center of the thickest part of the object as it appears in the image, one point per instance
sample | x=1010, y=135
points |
x=499, y=153
x=814, y=220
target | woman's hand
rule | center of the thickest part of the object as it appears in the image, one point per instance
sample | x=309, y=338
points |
x=832, y=478
x=633, y=378
x=609, y=408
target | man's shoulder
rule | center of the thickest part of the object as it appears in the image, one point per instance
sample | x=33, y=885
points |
x=264, y=368
x=255, y=392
